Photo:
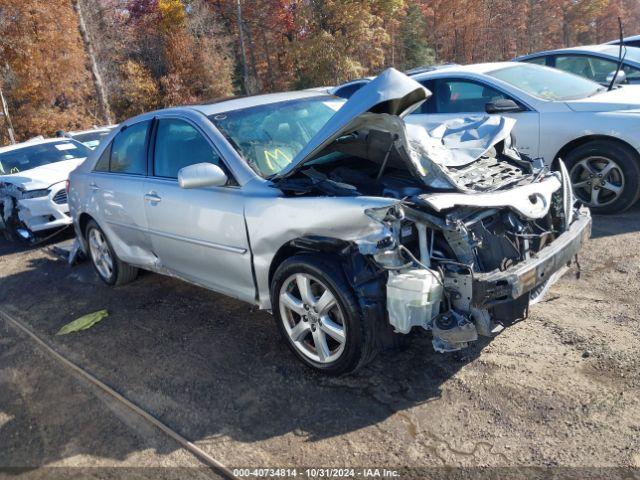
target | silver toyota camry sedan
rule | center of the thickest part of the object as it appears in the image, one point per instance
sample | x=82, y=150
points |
x=351, y=226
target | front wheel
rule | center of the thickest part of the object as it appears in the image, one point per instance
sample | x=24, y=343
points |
x=605, y=175
x=318, y=315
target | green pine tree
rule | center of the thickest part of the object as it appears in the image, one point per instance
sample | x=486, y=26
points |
x=412, y=39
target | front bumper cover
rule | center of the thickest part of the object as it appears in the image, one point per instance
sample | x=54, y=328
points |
x=501, y=286
x=47, y=212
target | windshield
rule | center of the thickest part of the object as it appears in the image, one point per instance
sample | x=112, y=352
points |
x=547, y=83
x=26, y=158
x=91, y=139
x=269, y=136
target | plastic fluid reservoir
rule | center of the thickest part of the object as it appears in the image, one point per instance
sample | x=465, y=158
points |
x=413, y=298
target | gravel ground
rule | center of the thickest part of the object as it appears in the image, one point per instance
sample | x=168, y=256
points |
x=49, y=418
x=558, y=390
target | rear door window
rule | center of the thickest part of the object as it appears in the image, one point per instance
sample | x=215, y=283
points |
x=591, y=67
x=129, y=150
x=537, y=60
x=103, y=162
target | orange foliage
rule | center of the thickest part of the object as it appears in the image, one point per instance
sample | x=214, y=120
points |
x=46, y=81
x=156, y=53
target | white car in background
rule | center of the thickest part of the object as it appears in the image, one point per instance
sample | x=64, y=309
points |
x=632, y=41
x=91, y=138
x=593, y=62
x=33, y=176
x=559, y=115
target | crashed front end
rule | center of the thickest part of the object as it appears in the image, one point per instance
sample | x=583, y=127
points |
x=463, y=268
x=26, y=213
x=473, y=232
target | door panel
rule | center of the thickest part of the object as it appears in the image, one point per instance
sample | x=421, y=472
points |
x=119, y=210
x=198, y=234
x=458, y=98
x=116, y=187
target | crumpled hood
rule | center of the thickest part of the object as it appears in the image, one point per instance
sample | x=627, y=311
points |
x=626, y=97
x=44, y=176
x=382, y=105
x=391, y=92
x=460, y=141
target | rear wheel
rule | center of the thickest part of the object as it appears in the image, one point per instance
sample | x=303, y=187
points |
x=106, y=263
x=318, y=315
x=605, y=175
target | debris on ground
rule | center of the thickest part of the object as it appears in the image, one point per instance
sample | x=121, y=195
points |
x=83, y=323
x=75, y=253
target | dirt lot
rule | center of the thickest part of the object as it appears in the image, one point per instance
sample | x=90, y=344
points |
x=561, y=389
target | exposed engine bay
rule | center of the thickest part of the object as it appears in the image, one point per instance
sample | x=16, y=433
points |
x=467, y=247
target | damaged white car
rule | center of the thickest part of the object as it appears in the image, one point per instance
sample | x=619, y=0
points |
x=33, y=176
x=349, y=225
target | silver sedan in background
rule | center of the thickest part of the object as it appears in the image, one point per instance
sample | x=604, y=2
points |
x=351, y=226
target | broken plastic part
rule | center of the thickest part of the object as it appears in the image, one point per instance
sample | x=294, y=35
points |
x=413, y=298
x=452, y=331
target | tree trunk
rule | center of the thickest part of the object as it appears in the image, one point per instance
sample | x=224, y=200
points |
x=103, y=100
x=7, y=118
x=243, y=53
x=267, y=52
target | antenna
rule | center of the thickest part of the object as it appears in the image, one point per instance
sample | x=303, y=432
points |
x=620, y=56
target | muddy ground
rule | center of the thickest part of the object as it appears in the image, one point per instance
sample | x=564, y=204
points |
x=560, y=389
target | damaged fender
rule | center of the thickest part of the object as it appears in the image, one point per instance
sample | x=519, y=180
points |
x=338, y=218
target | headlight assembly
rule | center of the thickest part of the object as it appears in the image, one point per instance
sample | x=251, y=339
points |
x=36, y=193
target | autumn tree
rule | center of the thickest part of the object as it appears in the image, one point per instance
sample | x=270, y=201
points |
x=154, y=53
x=412, y=38
x=46, y=79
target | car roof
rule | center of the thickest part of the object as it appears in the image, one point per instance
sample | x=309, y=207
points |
x=238, y=103
x=32, y=142
x=478, y=68
x=632, y=38
x=106, y=128
x=601, y=49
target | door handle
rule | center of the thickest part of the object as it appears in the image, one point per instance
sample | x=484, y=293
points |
x=93, y=186
x=152, y=197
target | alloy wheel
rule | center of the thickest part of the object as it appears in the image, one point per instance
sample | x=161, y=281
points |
x=597, y=181
x=100, y=253
x=312, y=318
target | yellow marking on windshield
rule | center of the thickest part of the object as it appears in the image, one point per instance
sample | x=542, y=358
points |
x=14, y=170
x=278, y=157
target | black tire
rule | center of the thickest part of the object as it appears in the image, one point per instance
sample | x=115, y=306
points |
x=361, y=343
x=629, y=165
x=122, y=273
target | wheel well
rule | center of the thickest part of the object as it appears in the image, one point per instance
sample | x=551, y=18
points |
x=573, y=144
x=286, y=251
x=307, y=244
x=83, y=220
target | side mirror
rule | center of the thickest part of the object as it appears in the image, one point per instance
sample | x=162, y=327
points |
x=502, y=106
x=201, y=175
x=620, y=78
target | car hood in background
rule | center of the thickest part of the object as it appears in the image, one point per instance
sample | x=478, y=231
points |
x=44, y=176
x=460, y=141
x=626, y=97
x=391, y=92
